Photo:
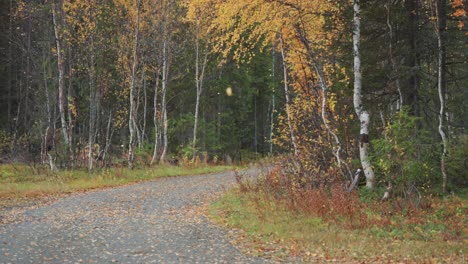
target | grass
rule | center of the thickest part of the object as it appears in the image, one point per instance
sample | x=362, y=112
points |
x=23, y=181
x=272, y=229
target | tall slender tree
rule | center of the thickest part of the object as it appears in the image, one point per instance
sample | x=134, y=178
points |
x=362, y=114
x=63, y=101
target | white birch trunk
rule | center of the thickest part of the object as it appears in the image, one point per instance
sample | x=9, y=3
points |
x=199, y=75
x=272, y=101
x=362, y=114
x=109, y=133
x=286, y=92
x=49, y=121
x=163, y=101
x=131, y=121
x=61, y=70
x=440, y=27
x=337, y=146
x=155, y=120
x=145, y=107
x=92, y=106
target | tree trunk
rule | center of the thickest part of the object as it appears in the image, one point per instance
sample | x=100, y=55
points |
x=131, y=121
x=362, y=114
x=61, y=70
x=286, y=92
x=441, y=84
x=272, y=101
x=145, y=107
x=47, y=147
x=155, y=119
x=92, y=105
x=199, y=75
x=337, y=146
x=109, y=133
x=163, y=101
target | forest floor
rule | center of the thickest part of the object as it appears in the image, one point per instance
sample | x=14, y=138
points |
x=372, y=232
x=149, y=222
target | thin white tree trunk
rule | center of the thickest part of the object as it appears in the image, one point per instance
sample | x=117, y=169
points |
x=440, y=27
x=145, y=107
x=131, y=121
x=92, y=105
x=199, y=75
x=61, y=70
x=272, y=101
x=155, y=119
x=49, y=121
x=109, y=133
x=337, y=146
x=163, y=101
x=362, y=114
x=137, y=110
x=286, y=92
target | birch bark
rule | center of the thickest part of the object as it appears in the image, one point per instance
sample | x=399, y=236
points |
x=441, y=57
x=92, y=105
x=132, y=114
x=164, y=102
x=61, y=71
x=286, y=93
x=199, y=76
x=362, y=114
x=155, y=120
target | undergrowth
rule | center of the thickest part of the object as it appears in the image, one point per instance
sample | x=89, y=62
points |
x=284, y=214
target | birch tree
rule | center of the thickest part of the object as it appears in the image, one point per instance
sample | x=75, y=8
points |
x=286, y=95
x=199, y=76
x=197, y=16
x=165, y=74
x=362, y=114
x=132, y=113
x=440, y=29
x=56, y=10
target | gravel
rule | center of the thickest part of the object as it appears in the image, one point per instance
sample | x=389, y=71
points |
x=159, y=221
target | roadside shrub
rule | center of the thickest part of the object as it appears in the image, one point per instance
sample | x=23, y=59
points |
x=403, y=156
x=287, y=184
x=144, y=154
x=6, y=142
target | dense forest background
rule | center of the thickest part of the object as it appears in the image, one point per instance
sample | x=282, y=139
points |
x=95, y=82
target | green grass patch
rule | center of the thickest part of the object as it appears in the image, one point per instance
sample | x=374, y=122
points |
x=271, y=229
x=20, y=180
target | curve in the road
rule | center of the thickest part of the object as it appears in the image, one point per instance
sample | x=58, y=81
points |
x=151, y=222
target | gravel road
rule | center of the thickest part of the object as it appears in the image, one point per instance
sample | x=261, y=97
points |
x=159, y=221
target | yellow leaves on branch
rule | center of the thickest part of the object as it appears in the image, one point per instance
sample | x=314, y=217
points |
x=81, y=16
x=459, y=12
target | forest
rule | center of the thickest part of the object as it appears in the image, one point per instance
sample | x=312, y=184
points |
x=375, y=88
